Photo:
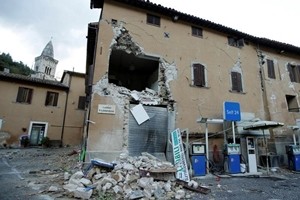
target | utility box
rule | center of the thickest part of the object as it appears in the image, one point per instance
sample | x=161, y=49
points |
x=198, y=158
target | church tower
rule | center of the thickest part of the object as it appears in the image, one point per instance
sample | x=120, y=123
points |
x=45, y=64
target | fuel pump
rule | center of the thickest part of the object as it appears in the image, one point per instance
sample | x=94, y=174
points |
x=293, y=153
x=232, y=156
x=252, y=166
x=198, y=157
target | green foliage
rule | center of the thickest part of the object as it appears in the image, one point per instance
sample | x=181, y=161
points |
x=6, y=61
x=105, y=196
x=45, y=142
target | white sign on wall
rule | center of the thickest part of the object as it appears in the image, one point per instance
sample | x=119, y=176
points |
x=182, y=172
x=106, y=109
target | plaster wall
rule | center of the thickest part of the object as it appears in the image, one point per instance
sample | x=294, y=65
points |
x=16, y=116
x=180, y=50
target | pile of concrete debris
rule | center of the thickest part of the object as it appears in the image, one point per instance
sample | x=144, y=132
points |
x=143, y=177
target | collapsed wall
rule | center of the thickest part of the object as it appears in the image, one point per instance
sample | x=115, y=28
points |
x=122, y=96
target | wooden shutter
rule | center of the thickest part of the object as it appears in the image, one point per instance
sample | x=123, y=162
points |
x=236, y=79
x=291, y=73
x=199, y=75
x=20, y=95
x=271, y=70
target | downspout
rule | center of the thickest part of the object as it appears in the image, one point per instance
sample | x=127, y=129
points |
x=65, y=114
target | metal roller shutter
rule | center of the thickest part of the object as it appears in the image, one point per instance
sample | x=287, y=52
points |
x=151, y=136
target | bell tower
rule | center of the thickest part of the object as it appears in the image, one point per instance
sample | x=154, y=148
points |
x=45, y=64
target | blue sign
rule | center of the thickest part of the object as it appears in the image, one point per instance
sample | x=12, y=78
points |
x=231, y=111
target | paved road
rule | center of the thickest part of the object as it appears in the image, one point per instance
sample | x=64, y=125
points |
x=18, y=179
x=13, y=185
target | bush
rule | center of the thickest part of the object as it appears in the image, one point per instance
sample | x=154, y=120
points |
x=45, y=142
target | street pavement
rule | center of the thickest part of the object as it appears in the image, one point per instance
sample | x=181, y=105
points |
x=23, y=176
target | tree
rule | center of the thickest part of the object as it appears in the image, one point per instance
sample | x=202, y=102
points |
x=6, y=61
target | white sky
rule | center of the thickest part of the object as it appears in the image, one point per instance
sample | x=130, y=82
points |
x=26, y=26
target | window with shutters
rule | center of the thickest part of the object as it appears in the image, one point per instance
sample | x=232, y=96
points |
x=153, y=20
x=294, y=72
x=81, y=103
x=24, y=95
x=236, y=81
x=199, y=75
x=271, y=70
x=51, y=99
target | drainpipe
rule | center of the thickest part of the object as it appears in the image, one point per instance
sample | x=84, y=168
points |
x=65, y=114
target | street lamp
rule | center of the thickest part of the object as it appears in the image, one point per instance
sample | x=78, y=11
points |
x=206, y=121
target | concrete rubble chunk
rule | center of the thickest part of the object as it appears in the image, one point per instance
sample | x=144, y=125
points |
x=99, y=176
x=118, y=176
x=83, y=193
x=127, y=189
x=70, y=187
x=78, y=175
x=136, y=194
x=107, y=180
x=180, y=194
x=53, y=188
x=107, y=186
x=145, y=182
x=85, y=181
x=117, y=189
x=76, y=182
x=131, y=178
x=168, y=187
x=67, y=176
x=128, y=167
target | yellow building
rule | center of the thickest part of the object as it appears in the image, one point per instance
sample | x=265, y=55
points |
x=153, y=69
x=43, y=107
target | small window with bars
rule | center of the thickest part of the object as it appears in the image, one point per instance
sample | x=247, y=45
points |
x=24, y=95
x=153, y=20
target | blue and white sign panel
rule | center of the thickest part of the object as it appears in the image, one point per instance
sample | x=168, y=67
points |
x=231, y=111
x=179, y=157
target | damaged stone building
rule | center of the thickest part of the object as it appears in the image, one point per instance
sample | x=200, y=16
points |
x=152, y=69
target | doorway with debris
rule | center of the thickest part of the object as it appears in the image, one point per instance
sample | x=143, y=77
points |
x=151, y=136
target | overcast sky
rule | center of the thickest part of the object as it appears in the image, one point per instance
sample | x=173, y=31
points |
x=26, y=26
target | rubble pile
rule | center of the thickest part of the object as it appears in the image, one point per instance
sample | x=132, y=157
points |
x=143, y=177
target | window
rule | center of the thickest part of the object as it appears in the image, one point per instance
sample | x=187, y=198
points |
x=292, y=103
x=271, y=71
x=294, y=71
x=236, y=81
x=51, y=99
x=24, y=95
x=196, y=31
x=235, y=42
x=154, y=20
x=81, y=103
x=199, y=75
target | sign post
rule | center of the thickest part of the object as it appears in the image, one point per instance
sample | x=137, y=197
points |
x=232, y=112
x=179, y=157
